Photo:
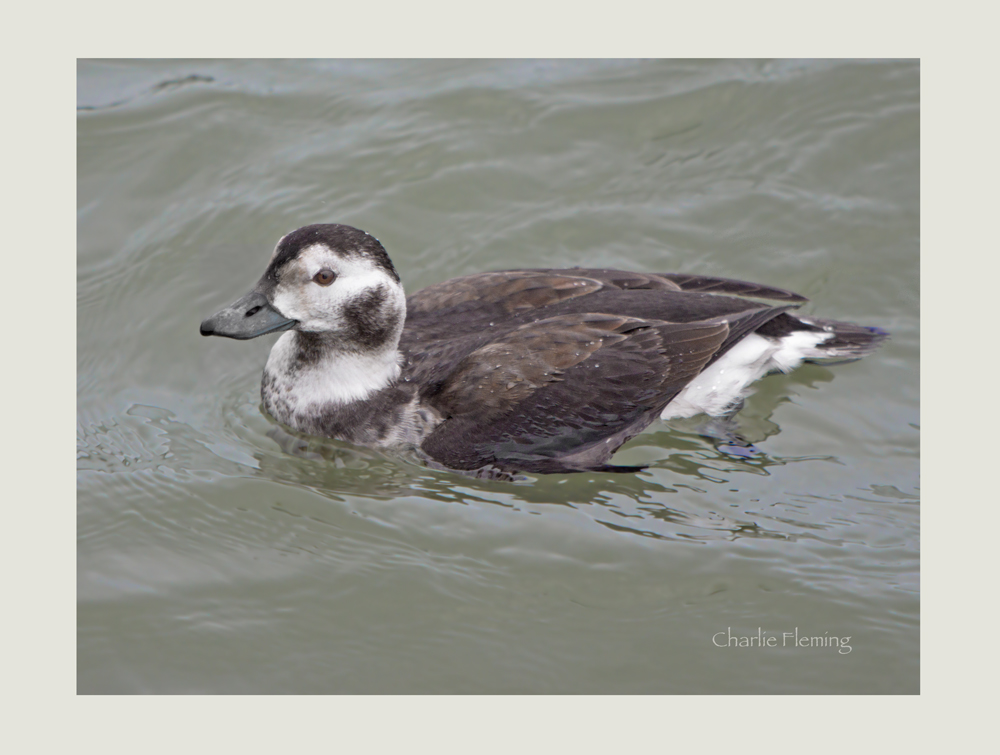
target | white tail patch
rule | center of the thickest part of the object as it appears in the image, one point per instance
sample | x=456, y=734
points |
x=798, y=346
x=727, y=380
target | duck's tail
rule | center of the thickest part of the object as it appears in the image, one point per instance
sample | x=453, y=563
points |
x=849, y=341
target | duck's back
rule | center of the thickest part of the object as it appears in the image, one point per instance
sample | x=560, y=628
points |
x=448, y=320
x=550, y=370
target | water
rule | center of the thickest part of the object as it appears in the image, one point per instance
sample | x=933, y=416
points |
x=212, y=560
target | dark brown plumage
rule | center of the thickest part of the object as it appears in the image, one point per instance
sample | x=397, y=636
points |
x=553, y=370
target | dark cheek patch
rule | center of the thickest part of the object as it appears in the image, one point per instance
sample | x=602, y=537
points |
x=368, y=326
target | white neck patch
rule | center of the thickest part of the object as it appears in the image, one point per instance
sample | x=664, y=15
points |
x=338, y=378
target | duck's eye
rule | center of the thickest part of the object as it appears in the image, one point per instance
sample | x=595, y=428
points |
x=325, y=277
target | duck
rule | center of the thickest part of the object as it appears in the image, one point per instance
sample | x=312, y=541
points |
x=543, y=371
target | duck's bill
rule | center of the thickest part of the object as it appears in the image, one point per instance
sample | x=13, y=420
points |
x=249, y=317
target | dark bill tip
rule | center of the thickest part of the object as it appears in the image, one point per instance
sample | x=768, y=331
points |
x=247, y=318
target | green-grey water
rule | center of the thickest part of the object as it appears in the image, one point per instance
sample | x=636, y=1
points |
x=212, y=559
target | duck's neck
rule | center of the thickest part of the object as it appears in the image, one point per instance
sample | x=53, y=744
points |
x=308, y=373
x=353, y=396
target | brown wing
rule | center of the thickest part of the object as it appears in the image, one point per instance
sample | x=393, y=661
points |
x=510, y=291
x=681, y=282
x=564, y=393
x=541, y=370
x=448, y=321
x=521, y=289
x=732, y=287
x=472, y=303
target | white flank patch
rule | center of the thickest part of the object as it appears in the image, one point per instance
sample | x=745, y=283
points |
x=798, y=346
x=726, y=381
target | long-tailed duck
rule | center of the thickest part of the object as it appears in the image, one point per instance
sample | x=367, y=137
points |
x=514, y=371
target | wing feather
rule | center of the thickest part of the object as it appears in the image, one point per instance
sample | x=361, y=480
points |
x=570, y=385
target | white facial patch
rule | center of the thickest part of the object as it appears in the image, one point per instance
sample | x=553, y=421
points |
x=319, y=309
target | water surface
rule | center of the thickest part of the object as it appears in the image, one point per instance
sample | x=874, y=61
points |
x=210, y=559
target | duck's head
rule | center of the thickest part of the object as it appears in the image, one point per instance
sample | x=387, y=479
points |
x=328, y=279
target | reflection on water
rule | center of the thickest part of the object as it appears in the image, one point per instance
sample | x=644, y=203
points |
x=149, y=438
